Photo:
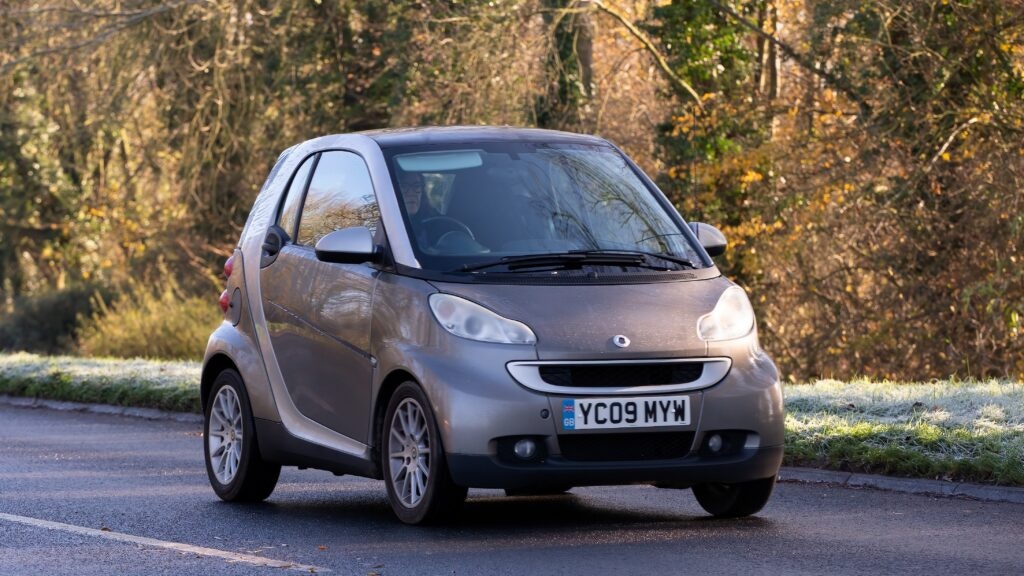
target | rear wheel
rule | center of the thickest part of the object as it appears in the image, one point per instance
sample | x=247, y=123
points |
x=734, y=500
x=233, y=463
x=420, y=489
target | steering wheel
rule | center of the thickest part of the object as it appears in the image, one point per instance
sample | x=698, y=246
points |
x=437, y=226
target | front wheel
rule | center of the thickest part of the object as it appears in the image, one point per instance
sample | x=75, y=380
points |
x=419, y=486
x=734, y=500
x=233, y=463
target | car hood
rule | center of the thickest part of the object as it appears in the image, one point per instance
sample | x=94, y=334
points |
x=581, y=321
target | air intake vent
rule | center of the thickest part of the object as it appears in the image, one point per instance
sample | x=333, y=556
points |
x=620, y=375
x=624, y=447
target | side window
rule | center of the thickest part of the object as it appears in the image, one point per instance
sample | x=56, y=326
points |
x=340, y=196
x=293, y=199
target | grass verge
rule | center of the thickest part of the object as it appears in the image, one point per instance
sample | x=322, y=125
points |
x=170, y=386
x=963, y=431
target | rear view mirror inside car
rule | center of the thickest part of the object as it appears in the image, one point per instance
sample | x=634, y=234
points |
x=437, y=161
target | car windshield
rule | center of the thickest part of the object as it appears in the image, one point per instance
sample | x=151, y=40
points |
x=470, y=207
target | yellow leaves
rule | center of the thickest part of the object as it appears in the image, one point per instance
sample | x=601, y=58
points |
x=750, y=177
x=683, y=124
x=742, y=233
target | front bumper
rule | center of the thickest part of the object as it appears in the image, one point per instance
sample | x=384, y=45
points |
x=482, y=471
x=479, y=410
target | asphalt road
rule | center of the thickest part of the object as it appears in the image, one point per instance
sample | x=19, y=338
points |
x=109, y=480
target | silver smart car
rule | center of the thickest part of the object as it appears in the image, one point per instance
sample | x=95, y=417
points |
x=447, y=308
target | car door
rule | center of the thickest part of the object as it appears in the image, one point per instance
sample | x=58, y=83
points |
x=318, y=313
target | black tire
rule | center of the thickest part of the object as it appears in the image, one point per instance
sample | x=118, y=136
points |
x=439, y=498
x=538, y=491
x=734, y=500
x=254, y=478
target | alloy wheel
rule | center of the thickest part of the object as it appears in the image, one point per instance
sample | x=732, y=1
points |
x=225, y=434
x=409, y=452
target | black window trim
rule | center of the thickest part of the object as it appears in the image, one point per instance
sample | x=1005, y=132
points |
x=302, y=195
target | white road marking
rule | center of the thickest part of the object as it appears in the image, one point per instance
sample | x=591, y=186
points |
x=176, y=546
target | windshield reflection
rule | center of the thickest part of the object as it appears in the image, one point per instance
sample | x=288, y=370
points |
x=475, y=203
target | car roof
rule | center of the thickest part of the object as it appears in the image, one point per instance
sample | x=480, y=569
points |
x=468, y=134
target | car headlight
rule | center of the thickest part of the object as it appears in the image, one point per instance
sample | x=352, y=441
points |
x=468, y=320
x=733, y=317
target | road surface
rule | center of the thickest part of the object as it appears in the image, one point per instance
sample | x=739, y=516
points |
x=95, y=494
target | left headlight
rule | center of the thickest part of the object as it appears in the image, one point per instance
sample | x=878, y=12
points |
x=733, y=317
x=469, y=320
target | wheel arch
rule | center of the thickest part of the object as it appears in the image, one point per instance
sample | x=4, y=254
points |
x=387, y=389
x=215, y=365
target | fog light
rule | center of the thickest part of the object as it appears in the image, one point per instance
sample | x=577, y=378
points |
x=525, y=449
x=715, y=443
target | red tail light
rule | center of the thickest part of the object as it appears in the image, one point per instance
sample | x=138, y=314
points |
x=225, y=298
x=229, y=265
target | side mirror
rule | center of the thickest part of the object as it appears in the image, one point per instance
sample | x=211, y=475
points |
x=710, y=238
x=348, y=246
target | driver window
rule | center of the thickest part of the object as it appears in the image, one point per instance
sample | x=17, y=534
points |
x=340, y=196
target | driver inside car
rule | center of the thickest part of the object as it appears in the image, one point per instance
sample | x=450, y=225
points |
x=434, y=233
x=412, y=188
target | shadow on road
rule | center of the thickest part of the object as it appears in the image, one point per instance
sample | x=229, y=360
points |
x=485, y=515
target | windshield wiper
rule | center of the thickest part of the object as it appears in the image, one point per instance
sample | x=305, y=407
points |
x=576, y=259
x=662, y=255
x=671, y=258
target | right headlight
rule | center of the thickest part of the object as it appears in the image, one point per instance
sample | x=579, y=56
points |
x=470, y=320
x=732, y=317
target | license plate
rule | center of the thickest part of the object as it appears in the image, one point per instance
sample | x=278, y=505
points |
x=637, y=412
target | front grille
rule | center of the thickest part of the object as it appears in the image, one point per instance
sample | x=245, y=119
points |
x=623, y=447
x=620, y=375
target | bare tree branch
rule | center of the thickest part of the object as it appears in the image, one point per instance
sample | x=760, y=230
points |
x=128, y=20
x=681, y=85
x=831, y=79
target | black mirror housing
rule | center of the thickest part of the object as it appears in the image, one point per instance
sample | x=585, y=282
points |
x=710, y=238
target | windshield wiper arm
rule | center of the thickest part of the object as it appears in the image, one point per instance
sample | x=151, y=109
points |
x=563, y=259
x=671, y=258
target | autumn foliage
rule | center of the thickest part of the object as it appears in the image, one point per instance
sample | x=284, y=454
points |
x=865, y=158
